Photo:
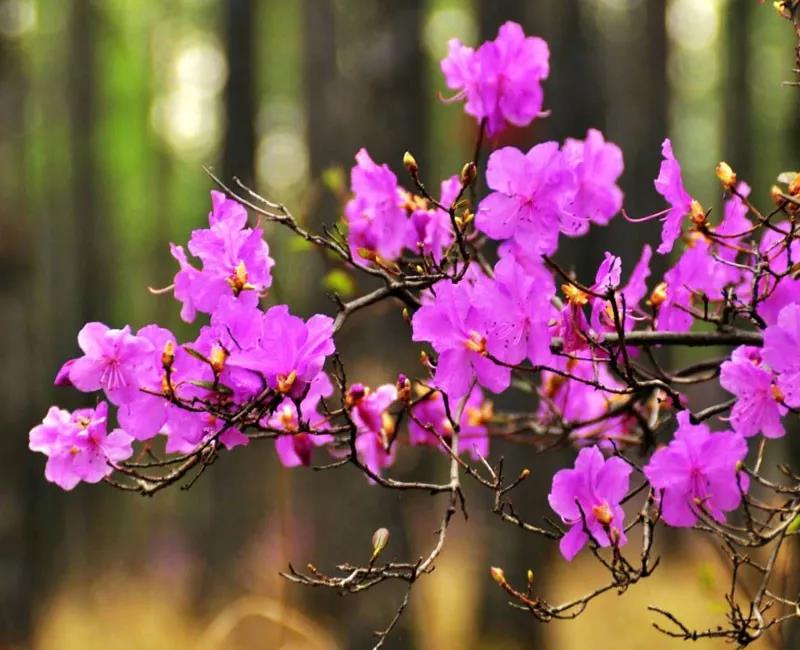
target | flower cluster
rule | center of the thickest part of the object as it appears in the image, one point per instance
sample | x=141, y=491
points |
x=482, y=290
x=383, y=219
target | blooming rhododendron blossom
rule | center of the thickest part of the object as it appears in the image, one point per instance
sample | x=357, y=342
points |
x=376, y=221
x=112, y=361
x=501, y=80
x=529, y=193
x=587, y=498
x=375, y=426
x=596, y=165
x=430, y=413
x=758, y=406
x=698, y=470
x=602, y=318
x=516, y=307
x=669, y=184
x=234, y=259
x=456, y=327
x=431, y=230
x=295, y=447
x=78, y=446
x=781, y=346
x=697, y=273
x=290, y=352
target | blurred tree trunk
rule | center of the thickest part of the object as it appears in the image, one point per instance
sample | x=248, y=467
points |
x=239, y=153
x=93, y=285
x=364, y=81
x=16, y=591
x=737, y=107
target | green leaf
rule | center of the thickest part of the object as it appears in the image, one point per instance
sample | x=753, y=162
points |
x=299, y=245
x=338, y=281
x=334, y=179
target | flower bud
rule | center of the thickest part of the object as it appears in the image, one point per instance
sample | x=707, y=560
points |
x=659, y=294
x=697, y=214
x=498, y=575
x=776, y=194
x=403, y=388
x=782, y=8
x=424, y=359
x=217, y=359
x=468, y=173
x=410, y=163
x=406, y=315
x=355, y=394
x=388, y=427
x=530, y=577
x=367, y=254
x=794, y=185
x=726, y=175
x=168, y=355
x=380, y=539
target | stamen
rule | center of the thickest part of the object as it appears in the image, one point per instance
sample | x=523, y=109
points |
x=649, y=217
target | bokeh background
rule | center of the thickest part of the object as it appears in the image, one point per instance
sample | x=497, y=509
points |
x=108, y=111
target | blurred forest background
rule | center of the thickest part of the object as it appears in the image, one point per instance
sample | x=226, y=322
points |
x=109, y=109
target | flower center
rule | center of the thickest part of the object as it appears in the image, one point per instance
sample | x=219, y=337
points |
x=603, y=513
x=285, y=382
x=238, y=279
x=574, y=296
x=476, y=342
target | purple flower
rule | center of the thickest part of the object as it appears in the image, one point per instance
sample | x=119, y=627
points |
x=776, y=293
x=113, y=361
x=457, y=329
x=597, y=165
x=669, y=184
x=234, y=260
x=781, y=343
x=567, y=398
x=429, y=412
x=698, y=469
x=375, y=426
x=696, y=272
x=290, y=352
x=145, y=415
x=516, y=307
x=301, y=428
x=530, y=191
x=608, y=277
x=502, y=79
x=376, y=219
x=758, y=407
x=77, y=445
x=587, y=498
x=431, y=231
